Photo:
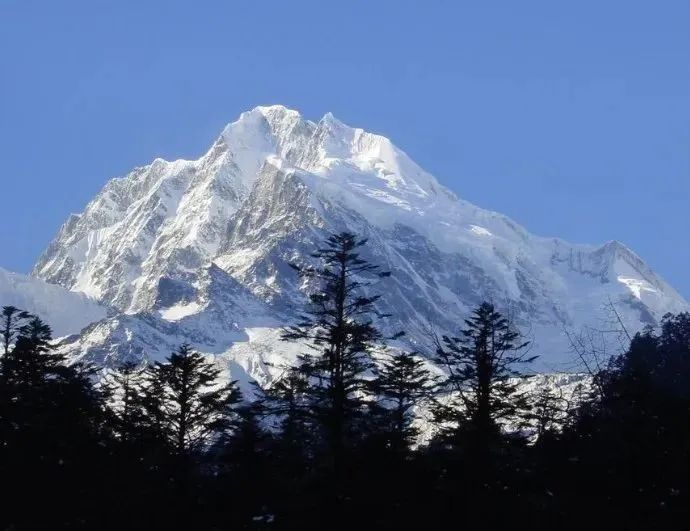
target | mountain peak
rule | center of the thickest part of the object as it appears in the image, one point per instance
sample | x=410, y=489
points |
x=329, y=120
x=276, y=113
x=273, y=186
x=275, y=108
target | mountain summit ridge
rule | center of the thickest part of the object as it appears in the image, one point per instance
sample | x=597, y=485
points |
x=271, y=186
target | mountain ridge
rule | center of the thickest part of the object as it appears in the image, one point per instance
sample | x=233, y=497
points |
x=49, y=302
x=273, y=184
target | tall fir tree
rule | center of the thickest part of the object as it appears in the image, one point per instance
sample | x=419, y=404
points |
x=483, y=374
x=184, y=397
x=52, y=424
x=125, y=384
x=337, y=324
x=31, y=363
x=633, y=438
x=402, y=382
x=549, y=412
x=12, y=321
x=286, y=401
x=152, y=397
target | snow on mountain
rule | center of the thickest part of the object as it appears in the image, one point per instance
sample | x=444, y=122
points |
x=67, y=312
x=198, y=251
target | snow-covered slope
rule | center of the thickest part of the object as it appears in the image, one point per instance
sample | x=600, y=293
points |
x=67, y=312
x=198, y=250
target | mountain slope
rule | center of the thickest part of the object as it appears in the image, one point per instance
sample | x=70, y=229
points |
x=270, y=189
x=67, y=312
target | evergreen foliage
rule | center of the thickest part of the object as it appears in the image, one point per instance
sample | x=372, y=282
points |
x=188, y=404
x=402, y=383
x=12, y=321
x=331, y=444
x=482, y=382
x=337, y=324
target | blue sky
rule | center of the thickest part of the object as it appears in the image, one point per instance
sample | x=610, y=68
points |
x=571, y=117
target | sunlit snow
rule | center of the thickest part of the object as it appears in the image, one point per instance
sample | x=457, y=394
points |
x=480, y=231
x=209, y=241
x=180, y=311
x=637, y=286
x=65, y=311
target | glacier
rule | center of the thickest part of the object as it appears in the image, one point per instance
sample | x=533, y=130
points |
x=198, y=251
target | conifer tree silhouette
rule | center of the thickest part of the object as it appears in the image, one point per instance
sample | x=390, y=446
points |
x=337, y=324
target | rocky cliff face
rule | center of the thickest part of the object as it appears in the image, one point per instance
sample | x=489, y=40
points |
x=198, y=251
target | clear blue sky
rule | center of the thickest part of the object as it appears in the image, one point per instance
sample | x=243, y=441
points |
x=571, y=117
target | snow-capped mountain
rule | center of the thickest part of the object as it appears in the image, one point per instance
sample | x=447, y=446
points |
x=198, y=251
x=67, y=312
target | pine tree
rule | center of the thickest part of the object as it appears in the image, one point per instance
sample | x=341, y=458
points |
x=13, y=319
x=152, y=399
x=402, y=383
x=52, y=424
x=31, y=363
x=126, y=385
x=41, y=390
x=549, y=412
x=337, y=324
x=483, y=376
x=248, y=438
x=631, y=440
x=286, y=401
x=184, y=396
x=245, y=448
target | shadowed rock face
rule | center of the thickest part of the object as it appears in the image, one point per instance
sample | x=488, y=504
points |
x=198, y=251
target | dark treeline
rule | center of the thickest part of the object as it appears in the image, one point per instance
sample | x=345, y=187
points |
x=332, y=443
